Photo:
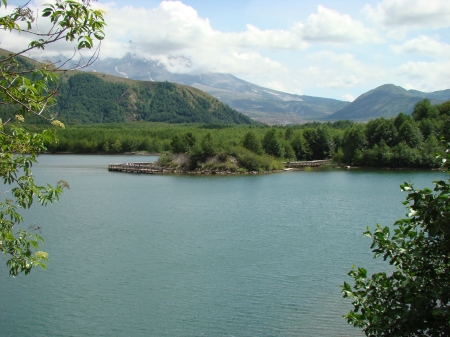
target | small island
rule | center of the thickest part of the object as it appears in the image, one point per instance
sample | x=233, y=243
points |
x=219, y=164
x=187, y=164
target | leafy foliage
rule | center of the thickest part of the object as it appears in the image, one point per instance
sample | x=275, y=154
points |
x=272, y=145
x=413, y=300
x=26, y=90
x=252, y=143
x=399, y=142
x=424, y=109
x=19, y=150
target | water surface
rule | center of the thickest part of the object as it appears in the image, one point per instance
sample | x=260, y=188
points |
x=181, y=255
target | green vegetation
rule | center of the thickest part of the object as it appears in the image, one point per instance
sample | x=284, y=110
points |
x=87, y=98
x=414, y=299
x=26, y=90
x=403, y=141
x=400, y=142
x=198, y=140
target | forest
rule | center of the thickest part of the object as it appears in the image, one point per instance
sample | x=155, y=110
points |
x=87, y=98
x=406, y=141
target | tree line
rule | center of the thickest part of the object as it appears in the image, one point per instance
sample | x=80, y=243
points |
x=408, y=141
x=403, y=141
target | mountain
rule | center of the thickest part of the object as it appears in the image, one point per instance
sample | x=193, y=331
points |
x=386, y=101
x=259, y=103
x=442, y=95
x=99, y=98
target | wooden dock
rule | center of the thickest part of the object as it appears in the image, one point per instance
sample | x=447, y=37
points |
x=313, y=163
x=147, y=168
x=151, y=168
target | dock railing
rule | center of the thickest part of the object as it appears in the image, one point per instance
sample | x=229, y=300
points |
x=312, y=163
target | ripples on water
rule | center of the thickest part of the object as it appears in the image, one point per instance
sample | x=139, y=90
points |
x=149, y=255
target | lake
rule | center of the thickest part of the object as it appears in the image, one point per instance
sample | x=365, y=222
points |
x=184, y=255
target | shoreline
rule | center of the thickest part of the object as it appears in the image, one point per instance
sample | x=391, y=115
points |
x=138, y=153
x=150, y=168
x=209, y=172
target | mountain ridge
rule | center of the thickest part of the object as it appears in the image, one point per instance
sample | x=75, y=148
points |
x=268, y=105
x=387, y=100
x=85, y=98
x=262, y=104
x=276, y=107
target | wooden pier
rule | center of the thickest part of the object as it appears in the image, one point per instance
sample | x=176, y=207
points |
x=147, y=168
x=313, y=163
x=151, y=168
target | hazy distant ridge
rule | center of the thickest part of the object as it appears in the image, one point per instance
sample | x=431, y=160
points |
x=387, y=101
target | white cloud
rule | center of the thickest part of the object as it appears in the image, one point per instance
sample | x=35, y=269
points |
x=331, y=26
x=411, y=13
x=336, y=71
x=346, y=62
x=175, y=29
x=185, y=42
x=426, y=76
x=268, y=39
x=424, y=45
x=348, y=97
x=276, y=86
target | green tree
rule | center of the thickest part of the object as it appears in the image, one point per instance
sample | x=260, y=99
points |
x=429, y=127
x=272, y=145
x=410, y=133
x=183, y=143
x=446, y=128
x=400, y=119
x=27, y=90
x=289, y=133
x=354, y=139
x=252, y=143
x=444, y=108
x=116, y=147
x=424, y=109
x=289, y=152
x=381, y=128
x=319, y=141
x=428, y=152
x=414, y=299
x=300, y=147
x=208, y=146
x=177, y=144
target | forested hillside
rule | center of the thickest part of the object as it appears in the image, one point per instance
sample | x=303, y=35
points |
x=87, y=98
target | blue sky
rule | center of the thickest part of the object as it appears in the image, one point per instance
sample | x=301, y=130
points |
x=337, y=49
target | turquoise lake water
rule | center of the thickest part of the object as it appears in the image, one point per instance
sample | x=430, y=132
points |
x=181, y=255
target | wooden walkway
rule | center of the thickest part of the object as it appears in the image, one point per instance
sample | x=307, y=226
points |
x=313, y=163
x=148, y=168
x=151, y=168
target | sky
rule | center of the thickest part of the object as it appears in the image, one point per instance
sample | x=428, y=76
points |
x=334, y=49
